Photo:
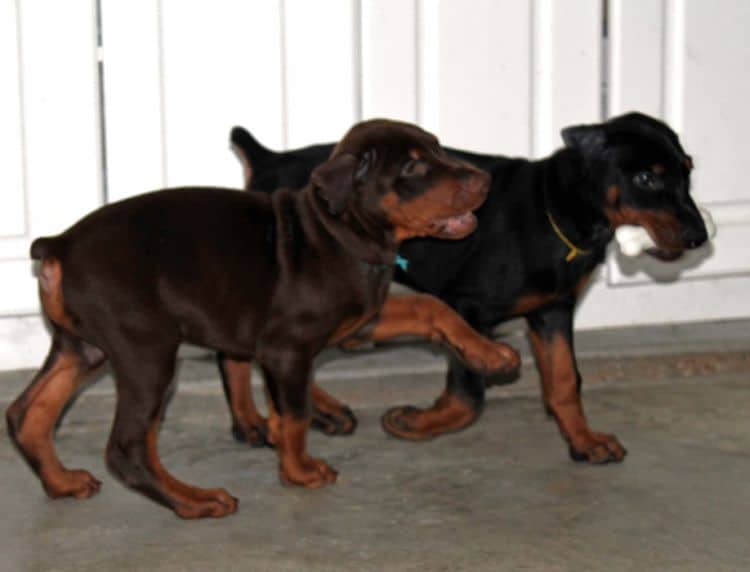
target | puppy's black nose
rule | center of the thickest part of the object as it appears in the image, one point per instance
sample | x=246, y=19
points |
x=694, y=237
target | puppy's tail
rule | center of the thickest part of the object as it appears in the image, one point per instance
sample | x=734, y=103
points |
x=248, y=146
x=46, y=247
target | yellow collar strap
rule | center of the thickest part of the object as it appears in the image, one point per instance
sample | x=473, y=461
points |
x=574, y=250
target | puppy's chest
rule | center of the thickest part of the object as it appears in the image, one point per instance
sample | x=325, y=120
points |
x=546, y=285
x=375, y=280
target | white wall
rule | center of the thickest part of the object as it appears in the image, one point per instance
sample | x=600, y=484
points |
x=500, y=76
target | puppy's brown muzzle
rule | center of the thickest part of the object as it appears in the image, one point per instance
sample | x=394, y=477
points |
x=472, y=193
x=469, y=194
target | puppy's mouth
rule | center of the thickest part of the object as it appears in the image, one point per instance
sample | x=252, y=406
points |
x=468, y=197
x=664, y=248
x=454, y=227
x=663, y=254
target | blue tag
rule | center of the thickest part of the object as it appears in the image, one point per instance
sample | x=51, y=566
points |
x=402, y=262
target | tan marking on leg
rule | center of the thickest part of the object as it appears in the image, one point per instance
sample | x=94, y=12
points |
x=562, y=391
x=426, y=316
x=324, y=400
x=245, y=415
x=448, y=414
x=190, y=502
x=531, y=302
x=559, y=383
x=274, y=422
x=543, y=362
x=41, y=407
x=296, y=467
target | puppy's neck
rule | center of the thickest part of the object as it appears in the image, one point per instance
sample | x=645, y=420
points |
x=574, y=199
x=357, y=235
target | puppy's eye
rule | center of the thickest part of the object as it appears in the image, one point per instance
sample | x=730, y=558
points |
x=365, y=164
x=648, y=181
x=414, y=168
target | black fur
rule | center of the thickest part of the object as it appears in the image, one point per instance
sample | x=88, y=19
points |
x=515, y=264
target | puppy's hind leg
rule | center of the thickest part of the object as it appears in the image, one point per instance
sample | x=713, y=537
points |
x=248, y=426
x=329, y=415
x=143, y=374
x=32, y=417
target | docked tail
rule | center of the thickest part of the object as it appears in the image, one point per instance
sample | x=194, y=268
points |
x=248, y=145
x=249, y=151
x=46, y=247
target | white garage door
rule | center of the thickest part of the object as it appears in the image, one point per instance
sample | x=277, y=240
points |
x=103, y=99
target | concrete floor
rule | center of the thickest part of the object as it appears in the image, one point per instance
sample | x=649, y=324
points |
x=502, y=495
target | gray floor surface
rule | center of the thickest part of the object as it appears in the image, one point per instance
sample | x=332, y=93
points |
x=502, y=495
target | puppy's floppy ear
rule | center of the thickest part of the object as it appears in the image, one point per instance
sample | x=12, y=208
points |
x=334, y=181
x=590, y=139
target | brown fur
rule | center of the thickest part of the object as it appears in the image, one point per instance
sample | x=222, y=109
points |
x=271, y=278
x=448, y=414
x=51, y=294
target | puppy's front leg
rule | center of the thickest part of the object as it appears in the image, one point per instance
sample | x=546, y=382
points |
x=426, y=316
x=551, y=335
x=287, y=374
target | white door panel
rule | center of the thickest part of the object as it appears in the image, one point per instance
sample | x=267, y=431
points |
x=133, y=97
x=681, y=60
x=566, y=82
x=389, y=59
x=714, y=96
x=60, y=112
x=49, y=99
x=322, y=69
x=212, y=52
x=13, y=221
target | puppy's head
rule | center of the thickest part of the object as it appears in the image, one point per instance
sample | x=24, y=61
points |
x=396, y=175
x=646, y=175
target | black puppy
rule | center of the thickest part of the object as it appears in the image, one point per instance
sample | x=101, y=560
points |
x=542, y=232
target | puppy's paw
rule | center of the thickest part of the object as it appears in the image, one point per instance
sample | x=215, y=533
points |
x=255, y=435
x=334, y=422
x=449, y=414
x=75, y=483
x=213, y=503
x=310, y=473
x=597, y=449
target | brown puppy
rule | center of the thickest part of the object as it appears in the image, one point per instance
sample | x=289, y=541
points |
x=274, y=278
